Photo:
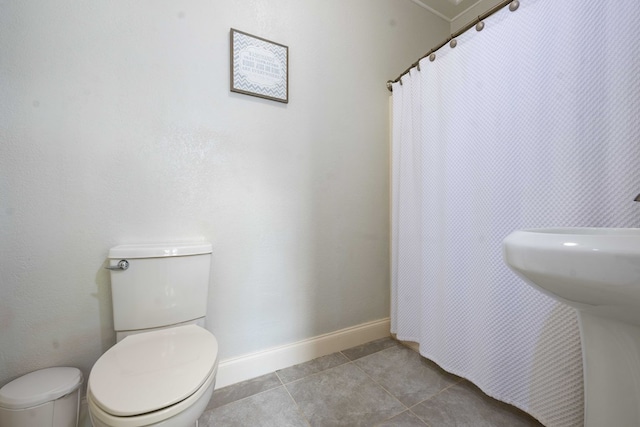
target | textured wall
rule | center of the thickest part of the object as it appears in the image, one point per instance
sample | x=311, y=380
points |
x=117, y=126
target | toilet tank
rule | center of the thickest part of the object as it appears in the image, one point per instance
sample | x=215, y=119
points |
x=164, y=284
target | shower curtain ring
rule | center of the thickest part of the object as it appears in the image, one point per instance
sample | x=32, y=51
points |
x=479, y=25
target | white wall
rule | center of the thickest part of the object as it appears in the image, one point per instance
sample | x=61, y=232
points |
x=117, y=126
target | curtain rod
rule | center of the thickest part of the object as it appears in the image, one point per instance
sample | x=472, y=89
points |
x=513, y=5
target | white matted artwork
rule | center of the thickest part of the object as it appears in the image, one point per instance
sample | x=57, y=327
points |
x=259, y=67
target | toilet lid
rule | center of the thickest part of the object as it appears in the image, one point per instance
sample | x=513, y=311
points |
x=153, y=370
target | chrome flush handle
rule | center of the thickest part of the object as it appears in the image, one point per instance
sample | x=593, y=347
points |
x=123, y=264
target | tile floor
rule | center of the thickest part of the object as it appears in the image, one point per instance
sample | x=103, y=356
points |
x=382, y=383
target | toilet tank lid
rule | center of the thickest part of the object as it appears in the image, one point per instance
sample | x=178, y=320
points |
x=39, y=387
x=158, y=250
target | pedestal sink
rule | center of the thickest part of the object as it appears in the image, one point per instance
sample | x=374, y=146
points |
x=597, y=271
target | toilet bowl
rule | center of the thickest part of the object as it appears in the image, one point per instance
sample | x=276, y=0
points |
x=162, y=369
x=164, y=377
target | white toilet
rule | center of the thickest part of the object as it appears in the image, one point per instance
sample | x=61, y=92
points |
x=163, y=367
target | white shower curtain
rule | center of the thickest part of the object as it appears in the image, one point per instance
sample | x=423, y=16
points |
x=532, y=122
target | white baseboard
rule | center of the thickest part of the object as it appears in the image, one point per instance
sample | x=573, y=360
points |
x=253, y=365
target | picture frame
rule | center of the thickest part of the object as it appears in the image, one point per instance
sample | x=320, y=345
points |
x=259, y=67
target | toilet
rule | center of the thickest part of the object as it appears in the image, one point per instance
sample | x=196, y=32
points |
x=162, y=369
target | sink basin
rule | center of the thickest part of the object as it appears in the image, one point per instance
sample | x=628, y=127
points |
x=597, y=271
x=592, y=269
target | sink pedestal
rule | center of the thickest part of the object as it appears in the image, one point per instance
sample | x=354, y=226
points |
x=611, y=356
x=596, y=271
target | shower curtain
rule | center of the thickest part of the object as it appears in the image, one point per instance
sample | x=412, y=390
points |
x=532, y=122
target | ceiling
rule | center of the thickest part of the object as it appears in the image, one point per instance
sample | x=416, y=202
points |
x=447, y=9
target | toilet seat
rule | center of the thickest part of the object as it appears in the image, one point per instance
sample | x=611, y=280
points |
x=180, y=414
x=154, y=372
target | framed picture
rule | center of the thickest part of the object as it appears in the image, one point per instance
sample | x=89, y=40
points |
x=259, y=67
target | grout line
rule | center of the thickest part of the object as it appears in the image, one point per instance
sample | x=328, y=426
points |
x=295, y=402
x=375, y=352
x=346, y=360
x=416, y=415
x=436, y=394
x=392, y=395
x=247, y=397
x=283, y=384
x=386, y=391
x=349, y=361
x=317, y=373
x=265, y=391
